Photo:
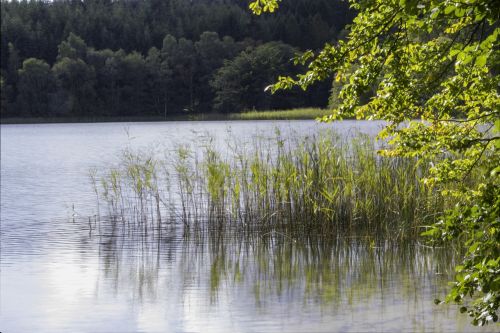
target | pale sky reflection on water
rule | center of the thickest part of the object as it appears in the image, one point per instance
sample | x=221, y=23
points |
x=57, y=277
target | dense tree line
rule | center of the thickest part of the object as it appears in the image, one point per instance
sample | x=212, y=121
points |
x=156, y=57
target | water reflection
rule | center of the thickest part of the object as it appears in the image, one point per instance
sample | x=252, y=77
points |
x=308, y=281
x=63, y=276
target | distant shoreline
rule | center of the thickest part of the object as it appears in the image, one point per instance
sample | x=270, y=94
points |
x=58, y=120
x=295, y=114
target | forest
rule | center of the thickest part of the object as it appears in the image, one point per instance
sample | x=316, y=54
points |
x=104, y=58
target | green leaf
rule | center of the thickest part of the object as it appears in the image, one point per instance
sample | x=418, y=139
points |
x=497, y=126
x=474, y=247
x=459, y=12
x=481, y=60
x=449, y=9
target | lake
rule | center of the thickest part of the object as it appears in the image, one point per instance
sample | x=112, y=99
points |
x=59, y=273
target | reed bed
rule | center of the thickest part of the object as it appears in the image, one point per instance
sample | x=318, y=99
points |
x=293, y=114
x=322, y=184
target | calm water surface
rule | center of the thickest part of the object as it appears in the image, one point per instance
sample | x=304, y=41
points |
x=58, y=275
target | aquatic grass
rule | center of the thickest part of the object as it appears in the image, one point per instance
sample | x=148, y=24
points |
x=319, y=184
x=293, y=114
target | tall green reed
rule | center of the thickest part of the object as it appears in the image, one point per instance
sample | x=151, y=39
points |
x=323, y=184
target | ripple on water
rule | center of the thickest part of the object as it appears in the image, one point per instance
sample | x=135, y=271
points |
x=79, y=277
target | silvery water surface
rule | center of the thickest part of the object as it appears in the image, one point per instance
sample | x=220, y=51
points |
x=57, y=275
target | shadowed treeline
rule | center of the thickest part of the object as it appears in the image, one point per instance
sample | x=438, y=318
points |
x=101, y=58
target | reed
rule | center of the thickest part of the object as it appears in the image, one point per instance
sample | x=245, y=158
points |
x=293, y=114
x=295, y=185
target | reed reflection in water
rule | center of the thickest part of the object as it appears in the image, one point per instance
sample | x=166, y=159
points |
x=225, y=278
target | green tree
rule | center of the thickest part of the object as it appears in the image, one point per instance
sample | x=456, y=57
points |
x=155, y=83
x=169, y=46
x=10, y=80
x=4, y=92
x=36, y=83
x=179, y=59
x=211, y=53
x=110, y=84
x=13, y=63
x=76, y=80
x=98, y=59
x=239, y=84
x=435, y=68
x=133, y=74
x=73, y=48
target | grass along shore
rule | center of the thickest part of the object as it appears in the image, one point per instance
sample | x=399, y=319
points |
x=293, y=114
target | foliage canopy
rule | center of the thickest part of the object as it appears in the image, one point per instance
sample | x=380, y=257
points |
x=434, y=65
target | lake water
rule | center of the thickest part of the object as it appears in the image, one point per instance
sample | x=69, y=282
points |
x=60, y=275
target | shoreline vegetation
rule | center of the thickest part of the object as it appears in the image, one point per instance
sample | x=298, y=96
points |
x=292, y=114
x=291, y=185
